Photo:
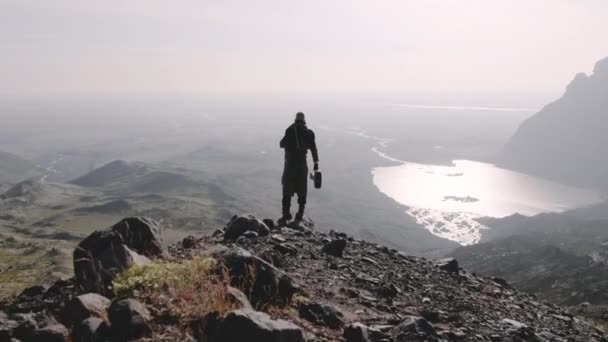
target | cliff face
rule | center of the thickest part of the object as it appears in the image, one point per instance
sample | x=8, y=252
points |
x=567, y=139
x=254, y=281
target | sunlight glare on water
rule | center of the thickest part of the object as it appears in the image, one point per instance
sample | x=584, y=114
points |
x=448, y=199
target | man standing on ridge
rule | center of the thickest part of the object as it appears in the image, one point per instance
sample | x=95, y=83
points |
x=297, y=141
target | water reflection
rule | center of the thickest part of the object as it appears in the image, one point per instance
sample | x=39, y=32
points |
x=447, y=199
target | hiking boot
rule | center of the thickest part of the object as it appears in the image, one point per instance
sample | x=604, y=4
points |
x=300, y=214
x=282, y=222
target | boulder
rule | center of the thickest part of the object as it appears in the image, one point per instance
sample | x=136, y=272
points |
x=92, y=329
x=85, y=306
x=238, y=225
x=356, y=332
x=411, y=327
x=321, y=314
x=447, y=264
x=335, y=248
x=248, y=325
x=99, y=257
x=189, y=242
x=270, y=285
x=129, y=320
x=270, y=224
x=51, y=333
x=141, y=234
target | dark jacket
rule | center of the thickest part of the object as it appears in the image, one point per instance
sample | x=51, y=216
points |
x=297, y=141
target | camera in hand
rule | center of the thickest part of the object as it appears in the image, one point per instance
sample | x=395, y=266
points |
x=317, y=178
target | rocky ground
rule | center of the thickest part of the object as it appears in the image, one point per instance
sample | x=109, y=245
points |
x=283, y=284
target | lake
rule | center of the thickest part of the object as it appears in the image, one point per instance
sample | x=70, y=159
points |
x=446, y=200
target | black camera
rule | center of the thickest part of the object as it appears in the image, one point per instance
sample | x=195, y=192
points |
x=317, y=178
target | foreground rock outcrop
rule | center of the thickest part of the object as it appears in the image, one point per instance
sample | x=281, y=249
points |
x=280, y=284
x=105, y=253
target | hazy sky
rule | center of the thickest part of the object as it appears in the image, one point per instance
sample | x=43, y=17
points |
x=200, y=46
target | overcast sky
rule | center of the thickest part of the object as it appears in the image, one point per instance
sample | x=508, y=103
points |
x=76, y=47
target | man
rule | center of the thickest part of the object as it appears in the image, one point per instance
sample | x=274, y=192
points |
x=297, y=141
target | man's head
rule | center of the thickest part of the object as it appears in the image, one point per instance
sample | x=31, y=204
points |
x=300, y=118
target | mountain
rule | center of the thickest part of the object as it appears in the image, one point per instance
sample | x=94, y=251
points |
x=14, y=169
x=567, y=139
x=254, y=281
x=111, y=173
x=559, y=257
x=553, y=273
x=41, y=218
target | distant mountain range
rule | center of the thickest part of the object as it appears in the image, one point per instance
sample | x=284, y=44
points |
x=567, y=140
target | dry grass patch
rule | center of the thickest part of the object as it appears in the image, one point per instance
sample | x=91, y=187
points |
x=179, y=292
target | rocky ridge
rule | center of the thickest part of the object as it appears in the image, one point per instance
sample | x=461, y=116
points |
x=284, y=284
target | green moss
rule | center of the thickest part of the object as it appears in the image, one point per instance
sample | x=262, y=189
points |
x=158, y=275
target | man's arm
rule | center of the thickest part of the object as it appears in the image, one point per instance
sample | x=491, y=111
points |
x=283, y=142
x=313, y=150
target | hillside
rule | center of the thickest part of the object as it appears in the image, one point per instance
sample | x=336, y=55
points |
x=253, y=281
x=533, y=264
x=559, y=257
x=41, y=218
x=566, y=140
x=14, y=169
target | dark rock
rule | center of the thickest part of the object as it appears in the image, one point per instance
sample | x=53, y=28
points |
x=335, y=248
x=206, y=328
x=189, y=242
x=99, y=257
x=269, y=284
x=356, y=332
x=321, y=314
x=141, y=234
x=250, y=326
x=286, y=248
x=51, y=333
x=217, y=233
x=91, y=330
x=33, y=291
x=413, y=326
x=270, y=224
x=390, y=291
x=85, y=306
x=238, y=225
x=447, y=264
x=58, y=287
x=129, y=319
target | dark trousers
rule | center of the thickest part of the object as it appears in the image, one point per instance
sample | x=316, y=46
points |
x=295, y=181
